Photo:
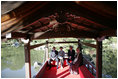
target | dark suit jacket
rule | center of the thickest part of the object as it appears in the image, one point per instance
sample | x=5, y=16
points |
x=72, y=54
x=79, y=61
x=56, y=52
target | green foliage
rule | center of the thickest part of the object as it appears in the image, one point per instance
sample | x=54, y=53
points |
x=110, y=57
x=13, y=58
x=37, y=56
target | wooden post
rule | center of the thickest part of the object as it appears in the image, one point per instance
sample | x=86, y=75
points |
x=79, y=45
x=27, y=60
x=99, y=59
x=46, y=50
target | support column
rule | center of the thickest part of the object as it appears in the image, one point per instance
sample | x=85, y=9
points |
x=79, y=45
x=99, y=59
x=46, y=50
x=27, y=60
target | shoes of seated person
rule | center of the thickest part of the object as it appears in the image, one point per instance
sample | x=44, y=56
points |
x=61, y=67
x=75, y=73
x=56, y=63
x=67, y=63
x=71, y=72
x=49, y=68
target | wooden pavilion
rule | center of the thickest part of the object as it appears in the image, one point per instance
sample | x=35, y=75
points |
x=57, y=19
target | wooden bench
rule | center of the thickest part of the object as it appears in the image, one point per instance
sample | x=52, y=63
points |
x=84, y=72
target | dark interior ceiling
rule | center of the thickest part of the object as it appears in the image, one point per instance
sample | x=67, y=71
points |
x=85, y=19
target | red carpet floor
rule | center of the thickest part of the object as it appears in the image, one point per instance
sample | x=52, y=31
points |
x=59, y=73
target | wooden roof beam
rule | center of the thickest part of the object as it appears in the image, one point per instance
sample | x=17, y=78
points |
x=86, y=27
x=109, y=32
x=63, y=42
x=15, y=35
x=18, y=19
x=84, y=22
x=88, y=44
x=34, y=46
x=93, y=16
x=74, y=33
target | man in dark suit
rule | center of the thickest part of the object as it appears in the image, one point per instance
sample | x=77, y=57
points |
x=78, y=61
x=71, y=54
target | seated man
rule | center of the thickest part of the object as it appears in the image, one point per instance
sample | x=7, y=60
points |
x=61, y=56
x=53, y=56
x=78, y=61
x=71, y=54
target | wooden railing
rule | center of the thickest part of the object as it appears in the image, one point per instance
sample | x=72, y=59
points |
x=90, y=66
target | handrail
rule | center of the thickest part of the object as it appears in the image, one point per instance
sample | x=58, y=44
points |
x=41, y=70
x=92, y=69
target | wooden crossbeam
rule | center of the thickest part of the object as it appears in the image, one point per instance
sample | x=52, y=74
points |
x=109, y=32
x=64, y=42
x=78, y=26
x=34, y=46
x=15, y=35
x=88, y=44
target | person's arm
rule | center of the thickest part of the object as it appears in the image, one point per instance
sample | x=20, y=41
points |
x=69, y=54
x=80, y=59
x=74, y=52
x=58, y=54
x=50, y=54
x=63, y=53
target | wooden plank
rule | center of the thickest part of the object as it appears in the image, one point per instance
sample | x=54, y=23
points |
x=82, y=26
x=27, y=61
x=109, y=32
x=34, y=46
x=15, y=35
x=99, y=59
x=63, y=42
x=73, y=33
x=18, y=35
x=93, y=16
x=42, y=70
x=12, y=24
x=88, y=44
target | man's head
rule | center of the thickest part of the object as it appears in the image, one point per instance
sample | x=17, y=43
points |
x=54, y=48
x=71, y=47
x=77, y=50
x=61, y=48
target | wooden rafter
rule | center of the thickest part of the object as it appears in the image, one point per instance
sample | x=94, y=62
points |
x=77, y=33
x=24, y=20
x=84, y=22
x=34, y=46
x=7, y=25
x=93, y=16
x=88, y=44
x=15, y=35
x=109, y=32
x=84, y=27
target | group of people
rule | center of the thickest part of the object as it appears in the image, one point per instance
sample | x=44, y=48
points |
x=74, y=60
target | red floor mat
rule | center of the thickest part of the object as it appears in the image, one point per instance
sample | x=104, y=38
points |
x=59, y=73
